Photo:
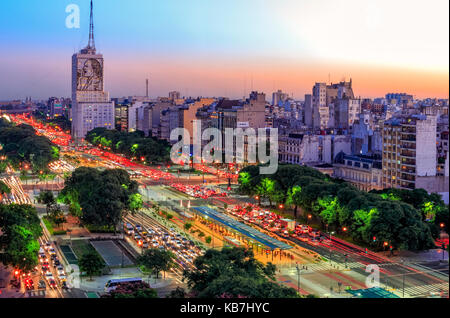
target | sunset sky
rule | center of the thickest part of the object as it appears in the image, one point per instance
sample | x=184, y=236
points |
x=226, y=48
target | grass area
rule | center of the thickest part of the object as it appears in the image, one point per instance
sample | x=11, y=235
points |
x=51, y=227
x=81, y=247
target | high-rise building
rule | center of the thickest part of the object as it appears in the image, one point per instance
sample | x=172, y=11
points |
x=409, y=150
x=174, y=95
x=91, y=105
x=279, y=97
x=327, y=101
x=55, y=107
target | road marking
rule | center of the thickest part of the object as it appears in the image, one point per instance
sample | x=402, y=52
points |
x=416, y=291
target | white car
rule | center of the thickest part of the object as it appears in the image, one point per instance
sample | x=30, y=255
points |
x=52, y=251
x=60, y=270
x=49, y=275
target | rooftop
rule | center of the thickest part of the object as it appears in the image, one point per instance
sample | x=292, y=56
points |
x=242, y=228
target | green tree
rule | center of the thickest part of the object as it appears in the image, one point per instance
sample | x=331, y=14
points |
x=294, y=198
x=233, y=272
x=155, y=260
x=100, y=196
x=21, y=249
x=4, y=189
x=135, y=202
x=266, y=189
x=47, y=198
x=91, y=263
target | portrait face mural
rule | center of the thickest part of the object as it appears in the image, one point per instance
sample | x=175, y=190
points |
x=89, y=75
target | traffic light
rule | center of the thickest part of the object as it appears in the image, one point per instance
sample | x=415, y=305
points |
x=374, y=238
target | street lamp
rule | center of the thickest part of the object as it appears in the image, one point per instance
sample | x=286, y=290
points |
x=402, y=261
x=298, y=278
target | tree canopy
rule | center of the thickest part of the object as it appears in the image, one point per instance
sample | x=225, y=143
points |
x=234, y=272
x=133, y=144
x=405, y=219
x=20, y=227
x=156, y=260
x=100, y=197
x=91, y=263
x=21, y=144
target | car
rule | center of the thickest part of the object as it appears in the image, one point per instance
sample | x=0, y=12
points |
x=61, y=271
x=51, y=250
x=49, y=275
x=42, y=285
x=56, y=263
x=64, y=285
x=48, y=245
x=52, y=283
x=29, y=284
x=62, y=277
x=43, y=258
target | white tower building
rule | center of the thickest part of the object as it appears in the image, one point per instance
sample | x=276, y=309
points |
x=91, y=105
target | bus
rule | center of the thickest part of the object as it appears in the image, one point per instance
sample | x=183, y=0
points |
x=114, y=283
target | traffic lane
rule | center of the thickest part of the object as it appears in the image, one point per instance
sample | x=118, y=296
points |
x=144, y=221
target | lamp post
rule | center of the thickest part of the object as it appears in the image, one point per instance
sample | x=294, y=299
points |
x=298, y=278
x=402, y=261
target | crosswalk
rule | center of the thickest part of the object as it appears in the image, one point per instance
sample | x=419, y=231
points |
x=426, y=290
x=36, y=293
x=42, y=293
x=326, y=266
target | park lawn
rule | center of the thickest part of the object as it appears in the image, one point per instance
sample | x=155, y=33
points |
x=81, y=247
x=51, y=227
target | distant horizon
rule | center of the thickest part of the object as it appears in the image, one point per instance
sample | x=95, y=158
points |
x=226, y=49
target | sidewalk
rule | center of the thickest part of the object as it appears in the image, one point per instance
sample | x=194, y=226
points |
x=99, y=282
x=9, y=292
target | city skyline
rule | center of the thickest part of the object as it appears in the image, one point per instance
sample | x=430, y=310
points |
x=206, y=56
